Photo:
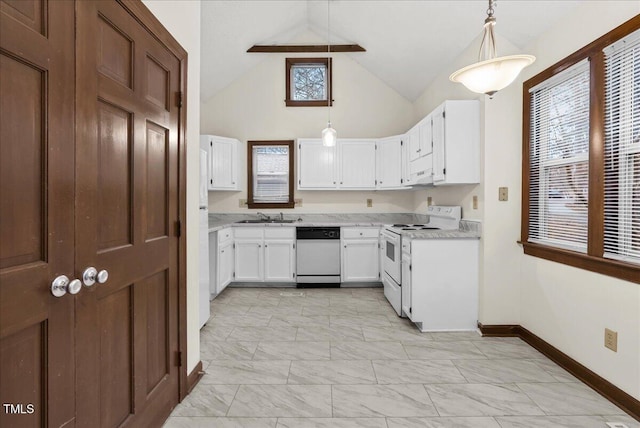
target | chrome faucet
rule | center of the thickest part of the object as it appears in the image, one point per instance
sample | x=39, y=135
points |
x=262, y=216
x=281, y=216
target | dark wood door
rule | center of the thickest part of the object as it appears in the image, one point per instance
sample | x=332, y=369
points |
x=127, y=210
x=36, y=212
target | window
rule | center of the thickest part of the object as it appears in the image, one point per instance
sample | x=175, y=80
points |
x=308, y=82
x=270, y=174
x=581, y=154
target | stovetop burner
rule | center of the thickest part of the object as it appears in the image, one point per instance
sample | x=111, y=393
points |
x=421, y=227
x=400, y=225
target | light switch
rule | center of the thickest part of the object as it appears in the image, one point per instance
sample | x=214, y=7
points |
x=503, y=193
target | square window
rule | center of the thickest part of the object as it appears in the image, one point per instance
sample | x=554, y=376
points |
x=308, y=82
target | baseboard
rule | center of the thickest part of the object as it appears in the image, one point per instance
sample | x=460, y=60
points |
x=194, y=377
x=599, y=384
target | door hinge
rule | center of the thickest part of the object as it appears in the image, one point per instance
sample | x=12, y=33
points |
x=401, y=181
x=376, y=147
x=444, y=171
x=178, y=228
x=179, y=359
x=376, y=182
x=294, y=274
x=179, y=99
x=401, y=142
x=234, y=245
x=443, y=114
x=294, y=246
x=409, y=267
x=211, y=143
x=300, y=182
x=299, y=146
x=410, y=310
x=234, y=274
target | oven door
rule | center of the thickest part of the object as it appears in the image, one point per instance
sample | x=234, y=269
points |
x=392, y=258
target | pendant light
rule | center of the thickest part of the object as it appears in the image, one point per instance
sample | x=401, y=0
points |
x=491, y=73
x=329, y=135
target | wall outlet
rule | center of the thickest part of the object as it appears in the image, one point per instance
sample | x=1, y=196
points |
x=474, y=204
x=503, y=193
x=297, y=202
x=369, y=203
x=242, y=203
x=429, y=201
x=611, y=339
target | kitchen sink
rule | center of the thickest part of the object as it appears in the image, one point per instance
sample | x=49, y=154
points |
x=265, y=221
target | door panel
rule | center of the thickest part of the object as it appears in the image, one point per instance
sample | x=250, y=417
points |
x=127, y=195
x=36, y=208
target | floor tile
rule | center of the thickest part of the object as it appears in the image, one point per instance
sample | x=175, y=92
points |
x=350, y=372
x=438, y=350
x=191, y=422
x=275, y=310
x=500, y=348
x=558, y=373
x=390, y=334
x=502, y=371
x=247, y=320
x=207, y=400
x=481, y=400
x=367, y=351
x=320, y=333
x=299, y=321
x=417, y=371
x=359, y=320
x=292, y=351
x=219, y=308
x=381, y=400
x=227, y=350
x=282, y=401
x=331, y=423
x=625, y=419
x=215, y=332
x=568, y=399
x=247, y=372
x=551, y=422
x=460, y=422
x=456, y=335
x=250, y=334
x=310, y=310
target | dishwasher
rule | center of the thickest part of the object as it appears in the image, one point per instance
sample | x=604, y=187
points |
x=318, y=256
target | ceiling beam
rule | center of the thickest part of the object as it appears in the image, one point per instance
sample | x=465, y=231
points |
x=304, y=48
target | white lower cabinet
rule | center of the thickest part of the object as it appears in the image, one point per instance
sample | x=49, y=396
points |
x=406, y=285
x=265, y=254
x=360, y=254
x=221, y=260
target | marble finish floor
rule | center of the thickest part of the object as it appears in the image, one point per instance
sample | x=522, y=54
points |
x=342, y=358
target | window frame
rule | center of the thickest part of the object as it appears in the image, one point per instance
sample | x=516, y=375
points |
x=250, y=145
x=289, y=63
x=594, y=259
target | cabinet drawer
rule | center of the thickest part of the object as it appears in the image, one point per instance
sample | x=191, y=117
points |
x=280, y=232
x=225, y=235
x=249, y=232
x=360, y=232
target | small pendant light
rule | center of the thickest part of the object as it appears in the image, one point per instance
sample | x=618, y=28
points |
x=491, y=73
x=329, y=135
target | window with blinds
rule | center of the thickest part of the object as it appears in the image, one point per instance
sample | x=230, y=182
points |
x=559, y=159
x=622, y=149
x=271, y=174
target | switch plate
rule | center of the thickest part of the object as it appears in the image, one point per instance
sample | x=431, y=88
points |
x=429, y=201
x=297, y=202
x=242, y=203
x=611, y=339
x=369, y=203
x=503, y=193
x=475, y=202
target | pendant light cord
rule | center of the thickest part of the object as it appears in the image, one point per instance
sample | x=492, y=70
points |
x=488, y=44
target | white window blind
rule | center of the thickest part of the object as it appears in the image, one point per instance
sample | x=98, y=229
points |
x=271, y=174
x=559, y=159
x=622, y=149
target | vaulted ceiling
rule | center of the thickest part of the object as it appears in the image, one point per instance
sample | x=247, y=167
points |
x=408, y=42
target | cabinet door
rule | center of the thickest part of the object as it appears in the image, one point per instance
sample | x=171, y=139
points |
x=439, y=153
x=316, y=165
x=389, y=162
x=225, y=266
x=426, y=142
x=279, y=260
x=413, y=142
x=222, y=164
x=360, y=261
x=249, y=261
x=406, y=285
x=357, y=160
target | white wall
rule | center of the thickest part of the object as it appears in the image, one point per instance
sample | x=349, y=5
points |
x=252, y=108
x=182, y=19
x=565, y=306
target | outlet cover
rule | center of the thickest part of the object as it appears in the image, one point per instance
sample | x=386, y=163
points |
x=297, y=202
x=242, y=203
x=429, y=201
x=503, y=193
x=611, y=339
x=475, y=202
x=369, y=203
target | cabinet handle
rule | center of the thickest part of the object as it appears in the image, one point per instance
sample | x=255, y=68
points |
x=341, y=182
x=334, y=182
x=259, y=246
x=222, y=251
x=265, y=245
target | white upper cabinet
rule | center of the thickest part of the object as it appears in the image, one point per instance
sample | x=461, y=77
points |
x=316, y=165
x=413, y=142
x=357, y=160
x=456, y=143
x=389, y=163
x=222, y=168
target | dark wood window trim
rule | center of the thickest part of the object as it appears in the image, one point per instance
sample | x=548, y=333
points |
x=593, y=260
x=289, y=62
x=250, y=145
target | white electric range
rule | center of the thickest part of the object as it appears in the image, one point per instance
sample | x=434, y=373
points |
x=440, y=218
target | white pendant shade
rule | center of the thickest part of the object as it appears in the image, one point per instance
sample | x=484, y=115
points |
x=488, y=77
x=329, y=136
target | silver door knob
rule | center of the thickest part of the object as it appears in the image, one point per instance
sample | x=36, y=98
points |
x=91, y=275
x=61, y=286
